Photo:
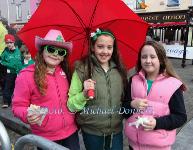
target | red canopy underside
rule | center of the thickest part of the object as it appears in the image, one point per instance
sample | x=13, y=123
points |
x=167, y=24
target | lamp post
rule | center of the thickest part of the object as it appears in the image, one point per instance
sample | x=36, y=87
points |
x=188, y=18
x=191, y=20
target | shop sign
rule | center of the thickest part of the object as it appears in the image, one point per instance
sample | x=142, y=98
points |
x=155, y=18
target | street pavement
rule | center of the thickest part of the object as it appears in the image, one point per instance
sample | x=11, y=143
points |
x=184, y=140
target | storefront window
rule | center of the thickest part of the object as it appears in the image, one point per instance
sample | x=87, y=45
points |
x=172, y=3
x=173, y=35
x=140, y=4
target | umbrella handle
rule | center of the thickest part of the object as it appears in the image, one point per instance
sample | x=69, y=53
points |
x=91, y=93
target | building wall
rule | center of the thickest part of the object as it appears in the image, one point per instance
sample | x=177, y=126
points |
x=158, y=5
x=16, y=11
x=9, y=11
x=3, y=10
x=33, y=5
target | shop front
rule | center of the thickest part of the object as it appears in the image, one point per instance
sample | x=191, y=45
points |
x=173, y=29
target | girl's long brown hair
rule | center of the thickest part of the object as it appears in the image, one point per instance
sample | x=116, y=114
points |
x=165, y=65
x=115, y=58
x=41, y=71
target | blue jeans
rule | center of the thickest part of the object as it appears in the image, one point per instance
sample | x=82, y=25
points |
x=9, y=88
x=71, y=142
x=94, y=142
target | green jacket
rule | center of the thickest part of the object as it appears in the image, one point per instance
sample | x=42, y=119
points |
x=12, y=60
x=99, y=116
x=30, y=62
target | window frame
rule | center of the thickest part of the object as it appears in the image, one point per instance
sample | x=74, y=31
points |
x=174, y=4
x=18, y=12
x=137, y=6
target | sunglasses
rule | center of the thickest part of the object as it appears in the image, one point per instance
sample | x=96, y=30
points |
x=9, y=42
x=55, y=50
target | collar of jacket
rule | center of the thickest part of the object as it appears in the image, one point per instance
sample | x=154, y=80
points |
x=10, y=51
x=141, y=73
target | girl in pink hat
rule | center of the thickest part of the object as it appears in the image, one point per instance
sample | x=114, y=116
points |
x=40, y=93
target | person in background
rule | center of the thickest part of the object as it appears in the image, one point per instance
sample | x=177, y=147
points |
x=44, y=86
x=11, y=59
x=13, y=32
x=3, y=32
x=101, y=71
x=154, y=93
x=26, y=57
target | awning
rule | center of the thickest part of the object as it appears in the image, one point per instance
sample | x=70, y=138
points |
x=167, y=24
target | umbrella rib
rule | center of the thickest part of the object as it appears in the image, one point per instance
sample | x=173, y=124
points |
x=83, y=47
x=92, y=17
x=79, y=18
x=67, y=27
x=112, y=21
x=43, y=27
x=127, y=45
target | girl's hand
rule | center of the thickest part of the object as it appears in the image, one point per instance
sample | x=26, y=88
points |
x=88, y=84
x=150, y=125
x=34, y=118
x=139, y=104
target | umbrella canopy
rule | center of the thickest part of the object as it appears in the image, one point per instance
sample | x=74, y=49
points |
x=78, y=18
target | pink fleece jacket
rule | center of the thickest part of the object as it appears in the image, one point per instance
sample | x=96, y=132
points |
x=59, y=123
x=158, y=99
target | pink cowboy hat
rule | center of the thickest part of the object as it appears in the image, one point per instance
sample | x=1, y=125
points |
x=53, y=37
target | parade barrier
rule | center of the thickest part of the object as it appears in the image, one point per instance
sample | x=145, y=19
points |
x=37, y=141
x=4, y=138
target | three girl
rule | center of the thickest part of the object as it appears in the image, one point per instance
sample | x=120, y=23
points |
x=46, y=85
x=156, y=92
x=99, y=120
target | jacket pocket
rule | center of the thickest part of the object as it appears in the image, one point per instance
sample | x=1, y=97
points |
x=51, y=124
x=157, y=137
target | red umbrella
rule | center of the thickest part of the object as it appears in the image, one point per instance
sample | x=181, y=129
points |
x=78, y=18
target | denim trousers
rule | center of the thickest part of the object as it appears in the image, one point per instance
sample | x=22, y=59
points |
x=109, y=142
x=3, y=72
x=71, y=142
x=9, y=87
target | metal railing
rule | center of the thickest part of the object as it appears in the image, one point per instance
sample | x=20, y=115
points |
x=5, y=143
x=37, y=141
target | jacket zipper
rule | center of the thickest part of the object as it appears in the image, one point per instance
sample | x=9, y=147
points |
x=109, y=100
x=60, y=101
